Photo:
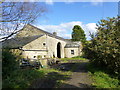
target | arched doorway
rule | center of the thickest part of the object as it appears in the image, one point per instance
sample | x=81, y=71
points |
x=59, y=50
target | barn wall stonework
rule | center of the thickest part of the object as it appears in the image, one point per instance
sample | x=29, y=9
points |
x=68, y=52
x=52, y=46
x=46, y=51
x=35, y=42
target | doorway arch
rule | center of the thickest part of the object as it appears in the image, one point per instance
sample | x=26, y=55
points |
x=59, y=50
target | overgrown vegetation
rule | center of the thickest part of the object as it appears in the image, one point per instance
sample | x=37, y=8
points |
x=104, y=51
x=14, y=77
x=102, y=78
x=104, y=48
x=22, y=78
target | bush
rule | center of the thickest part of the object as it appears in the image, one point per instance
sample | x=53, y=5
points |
x=104, y=48
x=12, y=75
x=102, y=78
x=22, y=78
x=9, y=63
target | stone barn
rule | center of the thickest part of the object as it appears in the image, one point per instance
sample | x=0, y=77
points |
x=34, y=43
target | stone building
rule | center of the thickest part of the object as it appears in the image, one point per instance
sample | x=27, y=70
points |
x=34, y=43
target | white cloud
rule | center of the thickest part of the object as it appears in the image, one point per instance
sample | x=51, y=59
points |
x=96, y=2
x=50, y=2
x=89, y=28
x=65, y=29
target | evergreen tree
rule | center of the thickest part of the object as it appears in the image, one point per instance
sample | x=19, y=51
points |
x=78, y=34
x=104, y=48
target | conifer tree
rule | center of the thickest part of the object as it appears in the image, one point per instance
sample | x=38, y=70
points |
x=78, y=34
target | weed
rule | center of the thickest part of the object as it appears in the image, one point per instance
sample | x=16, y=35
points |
x=101, y=78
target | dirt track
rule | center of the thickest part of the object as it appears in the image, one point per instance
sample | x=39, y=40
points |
x=80, y=77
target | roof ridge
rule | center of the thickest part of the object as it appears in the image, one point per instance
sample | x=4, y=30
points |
x=50, y=34
x=39, y=28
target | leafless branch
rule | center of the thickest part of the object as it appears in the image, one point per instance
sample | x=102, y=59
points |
x=15, y=14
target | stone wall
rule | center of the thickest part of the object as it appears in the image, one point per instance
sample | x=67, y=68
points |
x=45, y=46
x=52, y=46
x=36, y=44
x=68, y=52
x=29, y=30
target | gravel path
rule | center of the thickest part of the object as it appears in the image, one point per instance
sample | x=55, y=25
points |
x=80, y=77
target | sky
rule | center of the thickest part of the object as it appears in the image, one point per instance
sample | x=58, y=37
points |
x=62, y=16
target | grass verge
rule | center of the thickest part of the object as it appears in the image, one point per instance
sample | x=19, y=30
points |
x=73, y=58
x=101, y=77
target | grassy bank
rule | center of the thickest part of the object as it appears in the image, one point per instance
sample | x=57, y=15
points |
x=101, y=77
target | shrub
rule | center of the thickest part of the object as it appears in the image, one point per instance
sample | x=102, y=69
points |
x=12, y=75
x=104, y=48
x=9, y=63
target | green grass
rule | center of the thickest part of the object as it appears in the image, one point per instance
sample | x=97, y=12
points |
x=23, y=78
x=14, y=77
x=102, y=79
x=73, y=58
x=59, y=76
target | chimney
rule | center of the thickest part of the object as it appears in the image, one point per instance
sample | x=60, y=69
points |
x=54, y=33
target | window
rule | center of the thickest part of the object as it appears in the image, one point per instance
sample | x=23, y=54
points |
x=44, y=44
x=34, y=56
x=72, y=52
x=44, y=56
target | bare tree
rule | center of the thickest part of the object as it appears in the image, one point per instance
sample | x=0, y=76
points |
x=17, y=14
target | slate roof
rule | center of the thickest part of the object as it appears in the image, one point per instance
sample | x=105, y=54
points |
x=72, y=45
x=19, y=41
x=49, y=34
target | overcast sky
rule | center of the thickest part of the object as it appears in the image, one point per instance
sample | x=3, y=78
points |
x=62, y=16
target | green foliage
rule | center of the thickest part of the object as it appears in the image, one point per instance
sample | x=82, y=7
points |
x=22, y=78
x=101, y=77
x=78, y=34
x=104, y=48
x=14, y=77
x=39, y=57
x=9, y=63
x=78, y=57
x=73, y=58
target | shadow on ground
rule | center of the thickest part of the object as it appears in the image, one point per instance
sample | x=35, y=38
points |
x=52, y=78
x=73, y=67
x=81, y=85
x=49, y=81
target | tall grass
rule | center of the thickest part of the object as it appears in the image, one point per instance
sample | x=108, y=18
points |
x=14, y=77
x=102, y=78
x=22, y=78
